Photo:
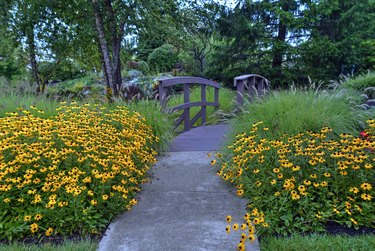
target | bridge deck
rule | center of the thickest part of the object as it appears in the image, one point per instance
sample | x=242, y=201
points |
x=203, y=138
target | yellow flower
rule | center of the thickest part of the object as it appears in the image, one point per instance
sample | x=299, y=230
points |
x=239, y=192
x=227, y=229
x=365, y=196
x=307, y=182
x=34, y=228
x=251, y=238
x=49, y=231
x=213, y=162
x=38, y=217
x=27, y=218
x=366, y=186
x=354, y=190
x=235, y=226
x=229, y=219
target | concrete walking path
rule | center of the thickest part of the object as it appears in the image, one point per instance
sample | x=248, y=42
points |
x=183, y=208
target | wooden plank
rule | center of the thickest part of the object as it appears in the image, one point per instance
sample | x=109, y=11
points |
x=243, y=77
x=162, y=95
x=240, y=91
x=196, y=117
x=192, y=104
x=216, y=95
x=252, y=89
x=179, y=121
x=203, y=109
x=203, y=138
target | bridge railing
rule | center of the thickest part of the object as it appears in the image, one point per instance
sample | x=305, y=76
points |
x=187, y=82
x=250, y=85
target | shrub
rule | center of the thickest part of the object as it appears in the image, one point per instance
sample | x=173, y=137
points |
x=143, y=67
x=78, y=88
x=163, y=58
x=71, y=173
x=299, y=182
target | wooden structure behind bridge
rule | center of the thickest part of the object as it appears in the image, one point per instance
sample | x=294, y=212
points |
x=250, y=85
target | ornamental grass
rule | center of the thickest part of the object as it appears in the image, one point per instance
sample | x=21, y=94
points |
x=72, y=173
x=298, y=183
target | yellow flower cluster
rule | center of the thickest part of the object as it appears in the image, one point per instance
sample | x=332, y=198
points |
x=296, y=183
x=72, y=172
x=247, y=227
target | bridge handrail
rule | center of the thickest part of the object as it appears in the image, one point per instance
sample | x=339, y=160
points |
x=164, y=83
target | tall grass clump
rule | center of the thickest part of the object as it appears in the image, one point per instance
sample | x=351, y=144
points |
x=12, y=101
x=360, y=82
x=226, y=99
x=295, y=111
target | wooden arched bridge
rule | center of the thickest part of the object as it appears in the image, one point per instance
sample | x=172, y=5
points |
x=250, y=85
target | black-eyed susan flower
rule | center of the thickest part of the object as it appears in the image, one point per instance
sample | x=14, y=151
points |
x=229, y=218
x=366, y=186
x=227, y=229
x=235, y=226
x=365, y=196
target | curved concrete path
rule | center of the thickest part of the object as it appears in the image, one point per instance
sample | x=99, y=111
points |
x=183, y=207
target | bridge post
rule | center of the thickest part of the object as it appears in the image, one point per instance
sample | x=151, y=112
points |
x=203, y=99
x=162, y=95
x=187, y=109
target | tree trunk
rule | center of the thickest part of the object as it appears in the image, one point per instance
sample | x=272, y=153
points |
x=104, y=48
x=116, y=37
x=279, y=48
x=33, y=62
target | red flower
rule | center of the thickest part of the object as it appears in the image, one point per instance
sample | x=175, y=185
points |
x=363, y=134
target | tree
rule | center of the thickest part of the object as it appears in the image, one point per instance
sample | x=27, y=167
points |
x=199, y=23
x=260, y=36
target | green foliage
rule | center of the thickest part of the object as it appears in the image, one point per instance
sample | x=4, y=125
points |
x=10, y=57
x=60, y=71
x=83, y=245
x=226, y=99
x=144, y=67
x=163, y=58
x=88, y=86
x=296, y=111
x=317, y=242
x=360, y=82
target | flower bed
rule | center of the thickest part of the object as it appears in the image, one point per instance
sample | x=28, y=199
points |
x=297, y=183
x=72, y=173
